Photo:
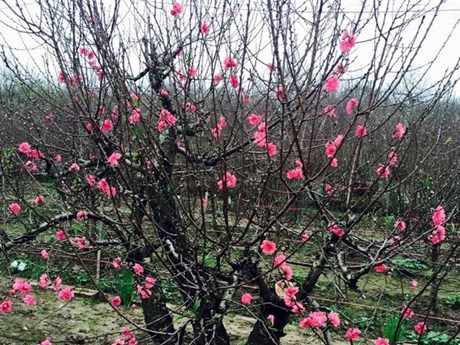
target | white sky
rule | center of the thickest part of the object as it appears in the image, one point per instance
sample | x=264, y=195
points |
x=26, y=49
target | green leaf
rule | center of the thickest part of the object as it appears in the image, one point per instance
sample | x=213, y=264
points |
x=196, y=305
x=449, y=141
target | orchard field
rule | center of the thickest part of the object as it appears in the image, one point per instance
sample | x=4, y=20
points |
x=222, y=172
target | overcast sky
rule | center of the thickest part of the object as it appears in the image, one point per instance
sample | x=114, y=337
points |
x=26, y=49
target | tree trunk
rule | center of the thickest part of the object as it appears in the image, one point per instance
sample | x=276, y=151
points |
x=159, y=321
x=208, y=332
x=262, y=333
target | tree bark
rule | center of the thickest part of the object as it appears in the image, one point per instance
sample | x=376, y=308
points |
x=159, y=322
x=262, y=334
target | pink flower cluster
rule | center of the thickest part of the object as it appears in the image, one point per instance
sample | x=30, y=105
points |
x=296, y=173
x=399, y=131
x=204, y=28
x=87, y=53
x=166, y=120
x=176, y=9
x=290, y=299
x=383, y=171
x=407, y=312
x=420, y=328
x=219, y=127
x=347, y=42
x=353, y=333
x=113, y=160
x=280, y=262
x=331, y=149
x=336, y=230
x=145, y=290
x=233, y=80
x=319, y=319
x=268, y=247
x=230, y=62
x=229, y=180
x=14, y=208
x=439, y=234
x=246, y=298
x=332, y=84
x=82, y=215
x=106, y=126
x=34, y=155
x=352, y=104
x=260, y=136
x=80, y=242
x=104, y=187
x=361, y=131
x=127, y=338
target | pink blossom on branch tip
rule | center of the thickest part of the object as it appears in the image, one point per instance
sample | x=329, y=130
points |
x=6, y=306
x=82, y=215
x=334, y=319
x=176, y=9
x=138, y=269
x=115, y=301
x=381, y=341
x=271, y=319
x=400, y=225
x=29, y=300
x=22, y=286
x=66, y=294
x=113, y=160
x=246, y=298
x=60, y=235
x=439, y=216
x=106, y=126
x=230, y=62
x=353, y=333
x=39, y=199
x=254, y=119
x=229, y=181
x=45, y=255
x=399, y=131
x=268, y=247
x=217, y=78
x=272, y=149
x=380, y=268
x=14, y=208
x=332, y=84
x=383, y=171
x=330, y=111
x=44, y=281
x=347, y=42
x=74, y=167
x=204, y=28
x=233, y=80
x=352, y=104
x=334, y=163
x=361, y=131
x=116, y=263
x=407, y=312
x=420, y=328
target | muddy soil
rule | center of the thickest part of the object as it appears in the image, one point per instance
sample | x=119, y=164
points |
x=90, y=321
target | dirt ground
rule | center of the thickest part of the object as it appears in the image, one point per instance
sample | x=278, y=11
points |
x=90, y=321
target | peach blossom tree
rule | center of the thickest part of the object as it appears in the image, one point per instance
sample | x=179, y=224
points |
x=239, y=150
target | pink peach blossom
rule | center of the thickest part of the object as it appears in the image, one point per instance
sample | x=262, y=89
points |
x=246, y=298
x=268, y=247
x=332, y=84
